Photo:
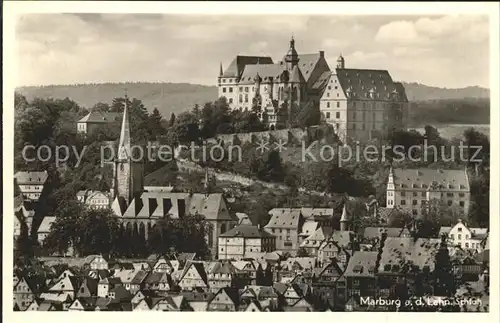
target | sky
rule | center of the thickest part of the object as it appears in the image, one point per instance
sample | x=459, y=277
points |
x=444, y=51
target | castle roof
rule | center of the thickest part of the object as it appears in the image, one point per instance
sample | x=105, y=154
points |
x=235, y=69
x=359, y=83
x=297, y=76
x=268, y=73
x=306, y=63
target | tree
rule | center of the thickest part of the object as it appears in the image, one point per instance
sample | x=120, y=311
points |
x=99, y=231
x=154, y=125
x=272, y=169
x=186, y=128
x=443, y=272
x=186, y=234
x=171, y=122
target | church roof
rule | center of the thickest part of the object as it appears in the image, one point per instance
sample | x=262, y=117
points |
x=235, y=69
x=297, y=76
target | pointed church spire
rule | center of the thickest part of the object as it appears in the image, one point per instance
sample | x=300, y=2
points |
x=124, y=144
x=220, y=70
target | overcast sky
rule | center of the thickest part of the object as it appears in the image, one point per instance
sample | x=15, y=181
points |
x=445, y=51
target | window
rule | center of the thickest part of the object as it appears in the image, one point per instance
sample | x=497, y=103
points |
x=241, y=98
x=223, y=80
x=461, y=203
x=449, y=194
x=328, y=94
x=231, y=100
x=459, y=229
x=414, y=212
x=338, y=104
x=230, y=90
x=459, y=237
x=241, y=89
x=423, y=194
x=246, y=97
x=415, y=193
x=327, y=104
x=466, y=236
x=466, y=245
x=246, y=89
x=223, y=90
x=337, y=95
x=450, y=203
x=336, y=87
x=415, y=202
x=328, y=115
x=403, y=202
x=403, y=193
x=452, y=236
x=329, y=87
x=461, y=194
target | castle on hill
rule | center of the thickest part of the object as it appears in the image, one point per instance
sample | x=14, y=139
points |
x=360, y=104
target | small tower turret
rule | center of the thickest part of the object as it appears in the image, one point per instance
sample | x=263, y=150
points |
x=340, y=62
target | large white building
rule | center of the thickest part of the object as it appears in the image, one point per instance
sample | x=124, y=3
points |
x=412, y=189
x=360, y=104
x=363, y=104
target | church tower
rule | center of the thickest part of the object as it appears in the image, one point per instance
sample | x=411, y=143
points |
x=291, y=57
x=128, y=174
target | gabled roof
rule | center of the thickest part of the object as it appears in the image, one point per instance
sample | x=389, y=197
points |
x=46, y=224
x=101, y=117
x=307, y=63
x=423, y=178
x=32, y=178
x=235, y=69
x=247, y=231
x=398, y=251
x=362, y=264
x=284, y=218
x=315, y=239
x=268, y=73
x=361, y=81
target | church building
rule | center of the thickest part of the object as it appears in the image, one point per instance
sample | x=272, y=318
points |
x=139, y=209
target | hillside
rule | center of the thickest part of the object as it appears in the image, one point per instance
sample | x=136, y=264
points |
x=179, y=97
x=167, y=97
x=421, y=92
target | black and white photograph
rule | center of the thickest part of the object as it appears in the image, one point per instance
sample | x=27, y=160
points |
x=252, y=161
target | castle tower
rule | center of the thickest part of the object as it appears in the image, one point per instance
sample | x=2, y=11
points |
x=340, y=62
x=128, y=174
x=291, y=57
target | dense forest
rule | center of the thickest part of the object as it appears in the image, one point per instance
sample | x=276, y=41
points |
x=450, y=111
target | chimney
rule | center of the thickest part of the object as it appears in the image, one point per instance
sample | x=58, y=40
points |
x=321, y=53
